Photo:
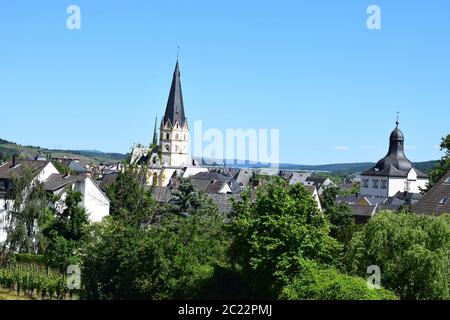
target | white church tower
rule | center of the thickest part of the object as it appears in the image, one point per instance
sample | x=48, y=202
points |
x=394, y=173
x=174, y=130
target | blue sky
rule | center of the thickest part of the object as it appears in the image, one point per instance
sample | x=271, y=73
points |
x=310, y=68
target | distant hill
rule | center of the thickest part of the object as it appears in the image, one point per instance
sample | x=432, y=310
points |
x=340, y=168
x=8, y=149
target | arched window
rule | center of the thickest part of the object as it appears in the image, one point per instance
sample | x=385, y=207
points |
x=167, y=136
x=185, y=138
x=176, y=136
x=155, y=179
x=177, y=149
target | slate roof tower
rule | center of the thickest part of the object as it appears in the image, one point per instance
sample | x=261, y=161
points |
x=394, y=173
x=174, y=126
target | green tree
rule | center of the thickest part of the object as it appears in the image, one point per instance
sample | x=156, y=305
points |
x=276, y=233
x=28, y=214
x=65, y=232
x=130, y=201
x=444, y=164
x=169, y=259
x=319, y=283
x=343, y=223
x=412, y=252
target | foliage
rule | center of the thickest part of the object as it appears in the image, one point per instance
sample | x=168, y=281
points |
x=29, y=258
x=169, y=259
x=29, y=212
x=130, y=201
x=62, y=168
x=340, y=215
x=412, y=252
x=444, y=164
x=316, y=283
x=65, y=232
x=273, y=235
x=34, y=281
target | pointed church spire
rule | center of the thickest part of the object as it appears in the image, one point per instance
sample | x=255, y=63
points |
x=155, y=135
x=175, y=107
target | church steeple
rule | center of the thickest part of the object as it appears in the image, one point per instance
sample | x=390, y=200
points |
x=175, y=107
x=174, y=130
x=155, y=135
x=396, y=154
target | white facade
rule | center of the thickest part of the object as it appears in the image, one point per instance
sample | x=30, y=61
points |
x=379, y=186
x=174, y=144
x=94, y=201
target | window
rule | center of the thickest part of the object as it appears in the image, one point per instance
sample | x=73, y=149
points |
x=155, y=179
x=365, y=183
x=443, y=201
x=2, y=185
x=375, y=184
x=447, y=180
x=383, y=184
x=167, y=136
x=407, y=185
x=176, y=136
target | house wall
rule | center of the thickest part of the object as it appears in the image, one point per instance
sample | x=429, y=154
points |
x=94, y=201
x=370, y=190
x=394, y=185
x=45, y=173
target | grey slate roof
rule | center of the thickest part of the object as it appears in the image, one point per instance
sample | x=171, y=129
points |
x=58, y=181
x=429, y=204
x=223, y=201
x=395, y=163
x=175, y=106
x=7, y=171
x=78, y=168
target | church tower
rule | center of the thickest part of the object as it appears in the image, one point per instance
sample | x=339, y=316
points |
x=174, y=127
x=394, y=173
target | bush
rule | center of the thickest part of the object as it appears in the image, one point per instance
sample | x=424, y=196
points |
x=412, y=252
x=328, y=284
x=29, y=258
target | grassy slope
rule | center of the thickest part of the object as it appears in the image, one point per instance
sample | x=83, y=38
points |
x=8, y=295
x=8, y=149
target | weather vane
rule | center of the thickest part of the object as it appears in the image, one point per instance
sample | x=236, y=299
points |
x=178, y=52
x=397, y=122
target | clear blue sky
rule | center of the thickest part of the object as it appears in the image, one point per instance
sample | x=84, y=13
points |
x=310, y=68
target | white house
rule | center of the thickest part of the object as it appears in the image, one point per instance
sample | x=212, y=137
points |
x=94, y=201
x=394, y=173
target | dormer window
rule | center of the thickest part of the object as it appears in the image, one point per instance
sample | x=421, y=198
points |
x=443, y=201
x=447, y=180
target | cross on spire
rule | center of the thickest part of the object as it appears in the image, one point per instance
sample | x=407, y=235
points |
x=397, y=122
